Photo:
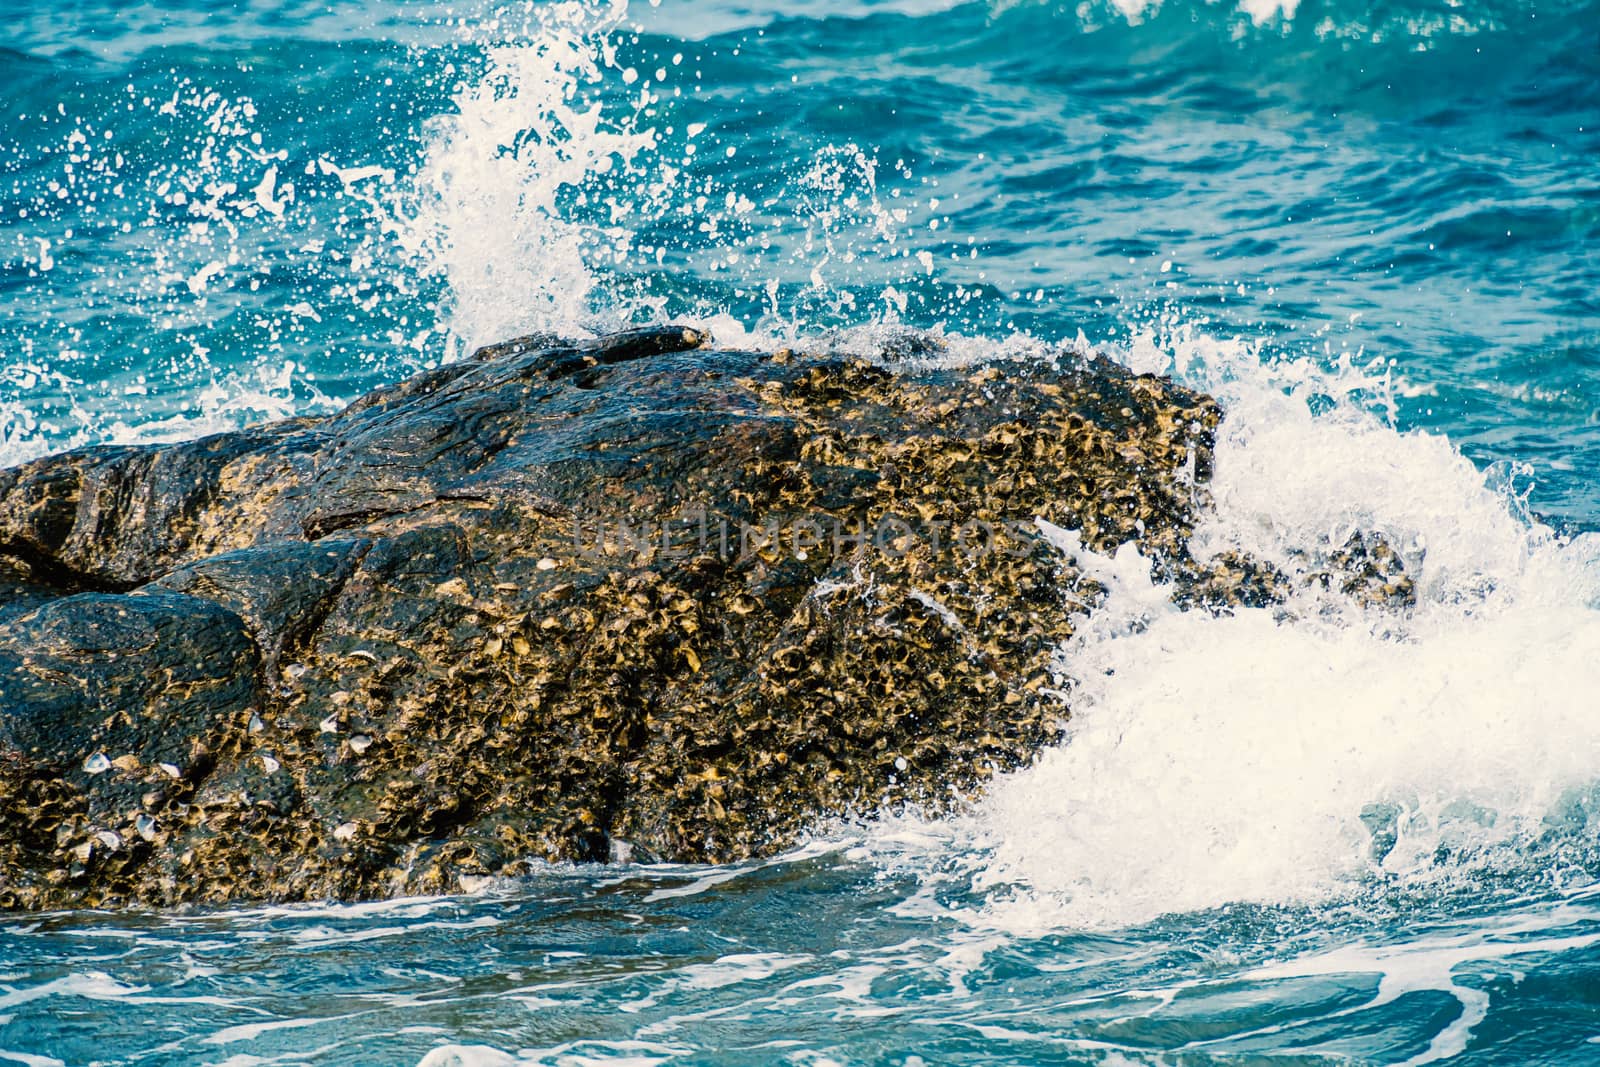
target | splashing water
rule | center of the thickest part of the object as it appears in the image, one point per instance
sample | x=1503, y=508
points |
x=490, y=211
x=1318, y=830
x=1321, y=748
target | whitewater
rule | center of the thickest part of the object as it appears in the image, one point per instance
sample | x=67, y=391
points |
x=1324, y=831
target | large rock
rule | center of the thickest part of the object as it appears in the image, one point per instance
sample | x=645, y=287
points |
x=636, y=597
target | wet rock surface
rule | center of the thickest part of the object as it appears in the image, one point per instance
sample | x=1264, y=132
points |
x=639, y=597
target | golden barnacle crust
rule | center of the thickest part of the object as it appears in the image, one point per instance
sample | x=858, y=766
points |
x=563, y=601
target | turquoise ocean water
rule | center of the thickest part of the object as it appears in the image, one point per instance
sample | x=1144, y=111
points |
x=1318, y=835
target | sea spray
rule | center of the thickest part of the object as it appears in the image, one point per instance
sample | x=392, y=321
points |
x=527, y=185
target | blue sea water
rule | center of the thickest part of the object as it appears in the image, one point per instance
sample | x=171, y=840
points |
x=1371, y=227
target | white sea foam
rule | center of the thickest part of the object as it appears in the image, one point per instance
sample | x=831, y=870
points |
x=1277, y=755
x=90, y=985
x=30, y=1060
x=1137, y=11
x=573, y=1054
x=467, y=1056
x=699, y=20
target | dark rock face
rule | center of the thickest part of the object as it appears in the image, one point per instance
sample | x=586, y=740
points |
x=560, y=601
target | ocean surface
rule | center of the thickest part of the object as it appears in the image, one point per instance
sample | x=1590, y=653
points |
x=1305, y=836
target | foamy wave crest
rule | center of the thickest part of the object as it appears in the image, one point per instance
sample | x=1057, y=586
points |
x=1323, y=747
x=1260, y=11
x=1137, y=11
x=1329, y=20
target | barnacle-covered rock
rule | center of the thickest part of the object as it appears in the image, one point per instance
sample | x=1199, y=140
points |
x=1368, y=570
x=637, y=597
